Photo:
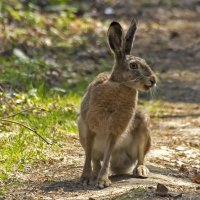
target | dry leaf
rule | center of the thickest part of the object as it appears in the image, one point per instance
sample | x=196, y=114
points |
x=180, y=148
x=184, y=169
x=196, y=179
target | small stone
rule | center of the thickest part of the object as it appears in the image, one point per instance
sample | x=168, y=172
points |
x=162, y=190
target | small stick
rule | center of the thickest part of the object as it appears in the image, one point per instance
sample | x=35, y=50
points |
x=29, y=128
x=18, y=113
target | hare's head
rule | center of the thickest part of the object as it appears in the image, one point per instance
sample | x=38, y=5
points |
x=132, y=71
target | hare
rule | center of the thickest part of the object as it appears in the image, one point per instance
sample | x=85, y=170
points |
x=111, y=128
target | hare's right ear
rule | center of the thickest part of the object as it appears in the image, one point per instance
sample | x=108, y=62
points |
x=116, y=40
x=130, y=36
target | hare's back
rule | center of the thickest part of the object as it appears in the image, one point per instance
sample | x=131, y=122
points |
x=100, y=79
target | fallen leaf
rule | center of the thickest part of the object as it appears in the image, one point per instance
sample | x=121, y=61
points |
x=20, y=54
x=179, y=163
x=184, y=168
x=180, y=148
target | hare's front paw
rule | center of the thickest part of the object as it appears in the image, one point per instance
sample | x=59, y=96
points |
x=85, y=179
x=141, y=171
x=103, y=182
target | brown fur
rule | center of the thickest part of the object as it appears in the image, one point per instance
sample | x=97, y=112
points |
x=111, y=128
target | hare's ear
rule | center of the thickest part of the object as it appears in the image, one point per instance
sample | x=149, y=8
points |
x=130, y=36
x=116, y=40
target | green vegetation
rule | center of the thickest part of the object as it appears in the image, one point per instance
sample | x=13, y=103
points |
x=32, y=79
x=20, y=147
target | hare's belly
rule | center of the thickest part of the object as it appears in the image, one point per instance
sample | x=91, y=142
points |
x=101, y=138
x=125, y=148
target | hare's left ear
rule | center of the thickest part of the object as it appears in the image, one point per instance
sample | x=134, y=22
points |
x=130, y=36
x=116, y=40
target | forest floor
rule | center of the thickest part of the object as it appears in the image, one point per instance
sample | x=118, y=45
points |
x=168, y=37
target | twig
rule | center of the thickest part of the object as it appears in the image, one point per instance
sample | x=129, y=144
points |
x=18, y=113
x=29, y=128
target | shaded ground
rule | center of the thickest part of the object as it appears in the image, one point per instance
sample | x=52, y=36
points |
x=169, y=38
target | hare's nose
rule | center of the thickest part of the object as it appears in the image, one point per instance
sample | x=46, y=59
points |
x=153, y=80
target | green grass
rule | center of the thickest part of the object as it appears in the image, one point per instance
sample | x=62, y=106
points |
x=26, y=86
x=54, y=121
x=154, y=107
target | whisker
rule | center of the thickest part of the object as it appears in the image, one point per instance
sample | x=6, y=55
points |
x=157, y=87
x=154, y=93
x=138, y=78
x=156, y=90
x=142, y=74
x=151, y=93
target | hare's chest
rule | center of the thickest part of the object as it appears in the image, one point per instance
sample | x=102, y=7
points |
x=110, y=100
x=110, y=108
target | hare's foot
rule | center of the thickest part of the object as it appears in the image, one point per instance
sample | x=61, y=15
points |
x=141, y=171
x=85, y=179
x=103, y=182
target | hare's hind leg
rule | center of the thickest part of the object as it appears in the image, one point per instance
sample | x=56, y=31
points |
x=87, y=169
x=144, y=144
x=141, y=170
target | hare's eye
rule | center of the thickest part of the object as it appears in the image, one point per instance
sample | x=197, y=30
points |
x=133, y=65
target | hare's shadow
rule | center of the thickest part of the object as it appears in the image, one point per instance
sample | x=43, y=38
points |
x=73, y=185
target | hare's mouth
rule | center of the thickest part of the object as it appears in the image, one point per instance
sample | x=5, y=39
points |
x=149, y=86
